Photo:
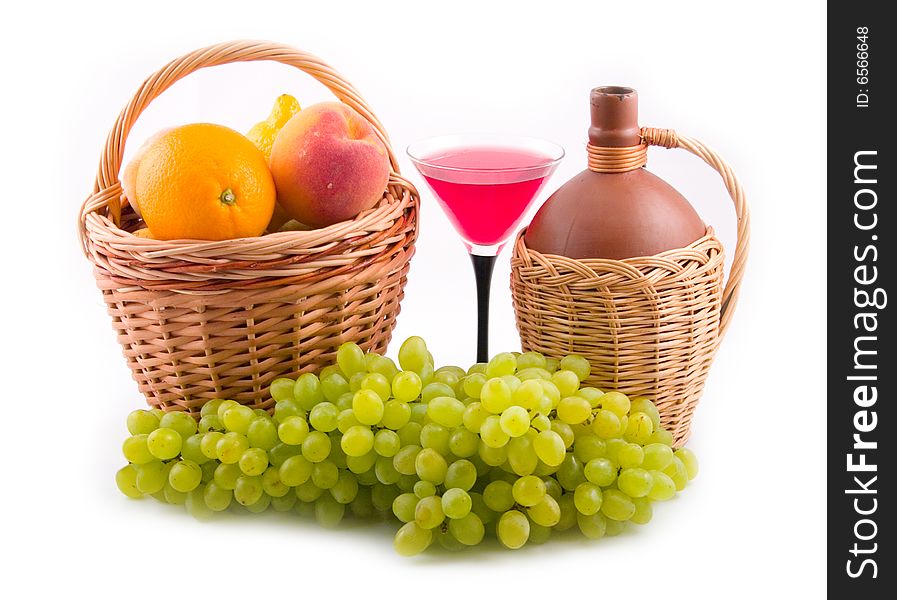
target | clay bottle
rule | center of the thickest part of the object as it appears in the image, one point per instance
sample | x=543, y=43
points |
x=614, y=215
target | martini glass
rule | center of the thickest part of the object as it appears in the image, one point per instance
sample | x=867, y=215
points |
x=485, y=183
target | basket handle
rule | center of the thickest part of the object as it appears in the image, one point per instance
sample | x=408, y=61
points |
x=106, y=190
x=668, y=138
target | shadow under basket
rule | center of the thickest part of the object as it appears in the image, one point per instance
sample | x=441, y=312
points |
x=201, y=320
x=649, y=326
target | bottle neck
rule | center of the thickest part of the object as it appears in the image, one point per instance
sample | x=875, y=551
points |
x=615, y=141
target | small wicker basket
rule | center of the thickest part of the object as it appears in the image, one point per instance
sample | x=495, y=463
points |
x=650, y=325
x=201, y=320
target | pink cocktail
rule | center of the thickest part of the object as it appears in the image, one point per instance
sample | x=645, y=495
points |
x=485, y=184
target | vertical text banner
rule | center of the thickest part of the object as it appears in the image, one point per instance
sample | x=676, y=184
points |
x=862, y=430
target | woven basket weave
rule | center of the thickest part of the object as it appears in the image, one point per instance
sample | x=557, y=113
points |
x=201, y=320
x=650, y=325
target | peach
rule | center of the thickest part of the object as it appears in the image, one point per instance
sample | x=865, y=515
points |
x=328, y=165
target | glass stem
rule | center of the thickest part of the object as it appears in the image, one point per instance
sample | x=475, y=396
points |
x=482, y=270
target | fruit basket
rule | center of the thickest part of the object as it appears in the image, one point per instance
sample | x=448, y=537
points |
x=199, y=320
x=649, y=326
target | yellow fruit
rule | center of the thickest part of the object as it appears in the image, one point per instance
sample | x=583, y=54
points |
x=204, y=181
x=144, y=233
x=263, y=133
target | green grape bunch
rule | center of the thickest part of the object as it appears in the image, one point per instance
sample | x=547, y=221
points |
x=513, y=449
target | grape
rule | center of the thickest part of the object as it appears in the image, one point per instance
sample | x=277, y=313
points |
x=413, y=355
x=577, y=364
x=521, y=456
x=601, y=471
x=447, y=411
x=231, y=447
x=503, y=363
x=546, y=513
x=419, y=413
x=514, y=421
x=473, y=385
x=191, y=449
x=513, y=529
x=492, y=457
x=260, y=505
x=456, y=503
x=405, y=459
x=657, y=457
x=308, y=391
x=663, y=487
x=463, y=443
x=333, y=386
x=126, y=480
x=643, y=405
x=643, y=511
x=164, y=443
x=185, y=476
x=142, y=422
x=323, y=416
x=403, y=507
x=677, y=472
x=355, y=381
x=209, y=444
x=566, y=382
x=136, y=450
x=210, y=423
x=357, y=441
x=630, y=455
x=593, y=526
x=181, y=422
x=385, y=443
x=329, y=512
x=540, y=422
x=406, y=386
x=272, y=484
x=639, y=429
x=430, y=466
x=606, y=424
x=308, y=492
x=428, y=512
x=614, y=527
x=568, y=512
x=661, y=436
x=553, y=488
x=461, y=474
x=378, y=384
x=615, y=402
x=262, y=433
x=492, y=433
x=283, y=503
x=563, y=430
x=530, y=360
x=538, y=534
x=689, y=460
x=362, y=465
x=474, y=415
x=533, y=373
x=210, y=408
x=435, y=390
x=529, y=490
x=324, y=474
x=350, y=358
x=495, y=396
x=498, y=496
x=588, y=446
x=151, y=477
x=550, y=448
x=617, y=506
x=593, y=395
x=368, y=407
x=396, y=414
x=412, y=539
x=587, y=498
x=381, y=364
x=574, y=409
x=571, y=473
x=422, y=489
x=281, y=389
x=435, y=436
x=253, y=461
x=316, y=446
x=226, y=475
x=468, y=530
x=286, y=409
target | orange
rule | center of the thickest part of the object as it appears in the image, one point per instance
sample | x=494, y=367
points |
x=129, y=173
x=205, y=182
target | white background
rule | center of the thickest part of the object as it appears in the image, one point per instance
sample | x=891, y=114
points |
x=749, y=81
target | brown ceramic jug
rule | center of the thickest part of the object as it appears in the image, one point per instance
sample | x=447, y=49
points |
x=616, y=208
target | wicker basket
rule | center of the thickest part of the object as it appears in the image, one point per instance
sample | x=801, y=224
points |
x=201, y=320
x=649, y=326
